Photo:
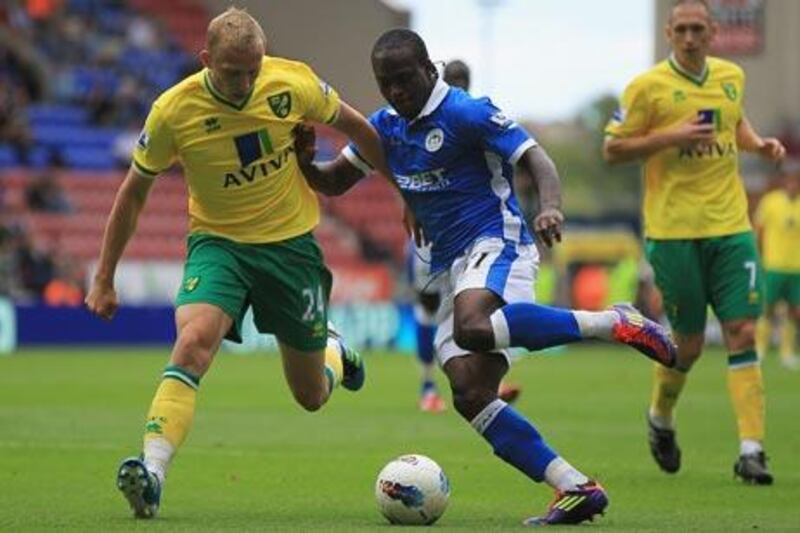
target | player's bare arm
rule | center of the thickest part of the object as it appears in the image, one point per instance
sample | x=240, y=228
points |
x=129, y=202
x=750, y=141
x=625, y=149
x=360, y=131
x=331, y=178
x=547, y=183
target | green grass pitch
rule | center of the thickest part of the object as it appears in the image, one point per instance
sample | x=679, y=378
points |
x=255, y=461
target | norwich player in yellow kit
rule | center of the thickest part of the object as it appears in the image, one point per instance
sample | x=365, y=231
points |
x=777, y=220
x=685, y=119
x=230, y=127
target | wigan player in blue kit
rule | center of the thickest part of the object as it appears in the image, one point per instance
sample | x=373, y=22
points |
x=427, y=291
x=452, y=157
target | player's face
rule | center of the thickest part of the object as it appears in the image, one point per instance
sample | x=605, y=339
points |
x=690, y=32
x=403, y=80
x=234, y=70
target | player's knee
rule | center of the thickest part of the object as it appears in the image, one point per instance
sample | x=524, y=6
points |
x=310, y=400
x=741, y=334
x=191, y=351
x=474, y=335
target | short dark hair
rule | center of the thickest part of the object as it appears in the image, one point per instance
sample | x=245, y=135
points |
x=678, y=3
x=456, y=73
x=401, y=37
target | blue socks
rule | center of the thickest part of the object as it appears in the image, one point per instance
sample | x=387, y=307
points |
x=514, y=439
x=534, y=326
x=425, y=336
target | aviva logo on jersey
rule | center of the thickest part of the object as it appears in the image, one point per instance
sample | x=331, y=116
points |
x=712, y=150
x=253, y=146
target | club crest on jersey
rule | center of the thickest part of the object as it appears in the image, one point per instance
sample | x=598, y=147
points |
x=730, y=91
x=144, y=140
x=618, y=116
x=281, y=104
x=191, y=283
x=434, y=140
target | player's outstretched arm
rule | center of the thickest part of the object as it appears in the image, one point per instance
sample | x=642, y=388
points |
x=131, y=197
x=547, y=183
x=625, y=149
x=360, y=131
x=330, y=178
x=748, y=140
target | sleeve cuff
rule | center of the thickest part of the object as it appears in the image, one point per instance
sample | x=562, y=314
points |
x=521, y=149
x=144, y=171
x=356, y=160
x=334, y=116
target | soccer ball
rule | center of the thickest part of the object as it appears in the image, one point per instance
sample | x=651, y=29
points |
x=412, y=490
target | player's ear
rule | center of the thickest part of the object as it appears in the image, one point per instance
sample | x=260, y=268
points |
x=433, y=73
x=205, y=57
x=713, y=27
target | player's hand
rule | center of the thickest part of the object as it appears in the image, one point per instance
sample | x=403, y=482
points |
x=693, y=134
x=305, y=144
x=547, y=226
x=772, y=149
x=412, y=227
x=102, y=300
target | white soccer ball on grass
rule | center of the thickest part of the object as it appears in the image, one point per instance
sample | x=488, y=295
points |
x=412, y=490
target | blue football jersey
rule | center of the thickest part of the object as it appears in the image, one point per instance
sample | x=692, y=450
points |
x=453, y=164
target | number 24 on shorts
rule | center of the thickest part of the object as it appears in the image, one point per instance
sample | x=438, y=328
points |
x=315, y=303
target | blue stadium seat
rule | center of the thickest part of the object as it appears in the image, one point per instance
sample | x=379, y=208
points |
x=88, y=158
x=8, y=157
x=56, y=115
x=75, y=136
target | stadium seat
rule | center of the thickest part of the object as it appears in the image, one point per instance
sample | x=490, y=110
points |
x=57, y=115
x=88, y=157
x=8, y=156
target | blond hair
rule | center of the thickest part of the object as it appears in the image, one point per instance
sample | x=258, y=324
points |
x=234, y=28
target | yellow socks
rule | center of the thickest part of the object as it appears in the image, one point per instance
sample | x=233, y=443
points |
x=746, y=388
x=333, y=363
x=169, y=419
x=788, y=339
x=667, y=387
x=763, y=336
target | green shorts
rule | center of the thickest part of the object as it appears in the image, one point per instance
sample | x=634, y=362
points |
x=782, y=287
x=286, y=283
x=723, y=272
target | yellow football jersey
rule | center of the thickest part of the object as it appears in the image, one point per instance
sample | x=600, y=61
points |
x=238, y=160
x=689, y=193
x=779, y=216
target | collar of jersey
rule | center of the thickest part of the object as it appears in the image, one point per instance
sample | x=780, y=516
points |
x=218, y=97
x=434, y=100
x=697, y=80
